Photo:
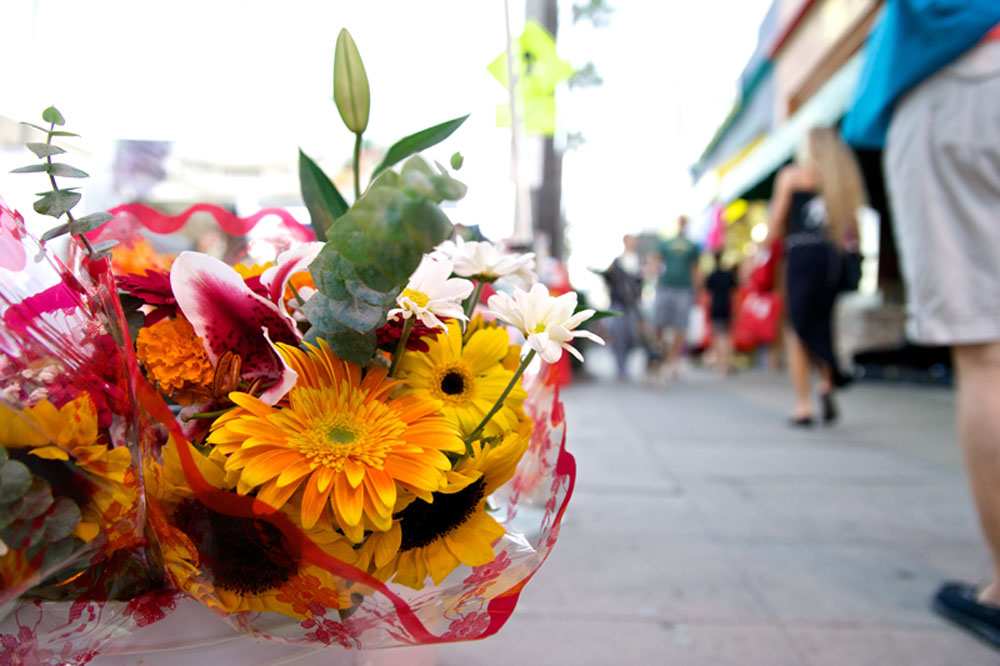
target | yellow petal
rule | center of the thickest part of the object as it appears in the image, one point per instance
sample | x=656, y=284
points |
x=50, y=453
x=440, y=561
x=387, y=545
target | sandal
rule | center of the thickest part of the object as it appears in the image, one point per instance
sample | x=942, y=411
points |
x=959, y=603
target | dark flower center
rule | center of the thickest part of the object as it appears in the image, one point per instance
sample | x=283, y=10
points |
x=453, y=383
x=422, y=523
x=243, y=555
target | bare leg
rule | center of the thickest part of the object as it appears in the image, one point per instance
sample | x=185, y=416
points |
x=798, y=372
x=979, y=433
x=676, y=349
x=722, y=352
x=825, y=379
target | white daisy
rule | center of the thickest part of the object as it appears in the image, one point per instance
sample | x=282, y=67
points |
x=485, y=262
x=431, y=293
x=547, y=322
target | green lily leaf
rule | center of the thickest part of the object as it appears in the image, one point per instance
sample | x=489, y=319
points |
x=602, y=314
x=55, y=204
x=418, y=141
x=320, y=195
x=44, y=149
x=350, y=84
x=66, y=171
x=52, y=115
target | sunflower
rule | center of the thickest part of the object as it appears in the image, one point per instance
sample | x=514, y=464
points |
x=432, y=539
x=52, y=436
x=467, y=378
x=237, y=564
x=339, y=441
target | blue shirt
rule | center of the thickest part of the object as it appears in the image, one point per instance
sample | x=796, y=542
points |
x=912, y=41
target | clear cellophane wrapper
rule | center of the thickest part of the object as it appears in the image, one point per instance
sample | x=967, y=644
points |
x=71, y=509
x=327, y=601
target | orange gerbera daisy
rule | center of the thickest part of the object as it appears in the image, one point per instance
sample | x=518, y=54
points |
x=340, y=441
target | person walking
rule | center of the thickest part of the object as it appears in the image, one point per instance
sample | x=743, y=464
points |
x=720, y=284
x=814, y=214
x=930, y=95
x=624, y=281
x=675, y=293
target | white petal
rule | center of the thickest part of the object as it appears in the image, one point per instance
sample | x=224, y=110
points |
x=589, y=336
x=572, y=350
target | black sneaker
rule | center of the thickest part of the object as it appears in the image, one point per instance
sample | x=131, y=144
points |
x=959, y=603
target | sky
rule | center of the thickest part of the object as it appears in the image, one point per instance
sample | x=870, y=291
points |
x=247, y=82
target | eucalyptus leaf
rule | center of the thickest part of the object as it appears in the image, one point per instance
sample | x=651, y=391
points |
x=55, y=232
x=350, y=84
x=44, y=149
x=89, y=223
x=15, y=480
x=34, y=502
x=52, y=115
x=62, y=133
x=457, y=161
x=66, y=171
x=347, y=343
x=320, y=195
x=363, y=311
x=62, y=519
x=31, y=168
x=55, y=204
x=386, y=233
x=104, y=246
x=418, y=141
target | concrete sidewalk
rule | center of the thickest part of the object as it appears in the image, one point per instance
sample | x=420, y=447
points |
x=705, y=531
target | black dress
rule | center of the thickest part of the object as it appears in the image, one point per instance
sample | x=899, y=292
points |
x=811, y=279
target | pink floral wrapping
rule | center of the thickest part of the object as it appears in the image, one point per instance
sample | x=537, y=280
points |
x=471, y=603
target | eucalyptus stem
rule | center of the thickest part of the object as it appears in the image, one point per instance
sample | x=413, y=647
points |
x=296, y=294
x=357, y=166
x=55, y=188
x=401, y=345
x=503, y=397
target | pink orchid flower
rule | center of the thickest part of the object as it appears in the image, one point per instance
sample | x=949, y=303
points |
x=229, y=316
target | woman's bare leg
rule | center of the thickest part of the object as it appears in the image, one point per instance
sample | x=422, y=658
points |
x=798, y=372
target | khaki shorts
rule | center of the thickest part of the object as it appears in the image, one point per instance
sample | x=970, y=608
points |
x=942, y=164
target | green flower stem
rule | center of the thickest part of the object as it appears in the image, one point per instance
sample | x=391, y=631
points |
x=401, y=346
x=357, y=166
x=503, y=397
x=470, y=305
x=55, y=188
x=208, y=415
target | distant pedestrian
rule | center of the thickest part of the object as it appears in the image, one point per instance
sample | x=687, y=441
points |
x=624, y=281
x=675, y=293
x=930, y=94
x=814, y=214
x=721, y=283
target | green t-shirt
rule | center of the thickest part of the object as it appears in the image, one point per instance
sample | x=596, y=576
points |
x=679, y=258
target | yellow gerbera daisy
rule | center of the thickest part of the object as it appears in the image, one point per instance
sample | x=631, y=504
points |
x=432, y=539
x=236, y=564
x=339, y=441
x=70, y=433
x=467, y=378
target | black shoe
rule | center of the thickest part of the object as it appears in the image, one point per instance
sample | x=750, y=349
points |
x=801, y=422
x=829, y=408
x=958, y=603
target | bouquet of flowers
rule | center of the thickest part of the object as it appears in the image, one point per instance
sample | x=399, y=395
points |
x=340, y=445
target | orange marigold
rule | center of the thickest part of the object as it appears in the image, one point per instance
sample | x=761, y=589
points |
x=174, y=356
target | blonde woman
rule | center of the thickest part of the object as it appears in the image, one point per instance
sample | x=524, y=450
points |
x=814, y=213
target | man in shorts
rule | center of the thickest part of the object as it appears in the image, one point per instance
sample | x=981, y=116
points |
x=930, y=95
x=675, y=293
